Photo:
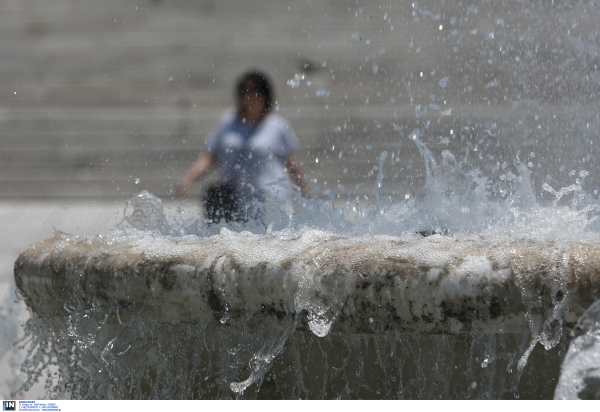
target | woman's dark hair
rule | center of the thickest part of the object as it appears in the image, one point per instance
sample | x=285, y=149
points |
x=261, y=85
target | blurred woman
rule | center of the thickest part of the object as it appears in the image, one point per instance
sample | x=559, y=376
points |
x=256, y=152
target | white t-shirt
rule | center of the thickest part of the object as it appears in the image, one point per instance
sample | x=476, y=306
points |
x=252, y=158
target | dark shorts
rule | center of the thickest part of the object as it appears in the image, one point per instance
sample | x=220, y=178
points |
x=222, y=201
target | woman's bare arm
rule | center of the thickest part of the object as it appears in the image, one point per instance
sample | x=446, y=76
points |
x=296, y=171
x=198, y=169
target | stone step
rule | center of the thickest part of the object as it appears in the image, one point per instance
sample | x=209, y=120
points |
x=82, y=81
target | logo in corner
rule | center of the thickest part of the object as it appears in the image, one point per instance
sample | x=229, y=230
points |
x=9, y=405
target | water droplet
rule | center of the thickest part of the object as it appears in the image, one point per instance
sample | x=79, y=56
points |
x=356, y=36
x=295, y=82
x=322, y=92
x=137, y=181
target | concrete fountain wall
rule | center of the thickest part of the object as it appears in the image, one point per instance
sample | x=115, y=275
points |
x=312, y=315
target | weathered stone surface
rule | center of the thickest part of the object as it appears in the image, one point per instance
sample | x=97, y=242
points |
x=363, y=284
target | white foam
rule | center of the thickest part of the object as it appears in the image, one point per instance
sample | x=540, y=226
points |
x=580, y=373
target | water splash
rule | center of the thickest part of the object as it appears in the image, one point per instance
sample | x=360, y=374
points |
x=98, y=345
x=480, y=185
x=580, y=375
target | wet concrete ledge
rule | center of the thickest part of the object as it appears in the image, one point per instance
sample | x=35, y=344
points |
x=436, y=284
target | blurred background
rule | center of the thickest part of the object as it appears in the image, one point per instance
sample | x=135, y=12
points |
x=101, y=99
x=105, y=99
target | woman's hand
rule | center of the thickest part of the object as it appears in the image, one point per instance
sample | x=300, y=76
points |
x=296, y=171
x=198, y=169
x=181, y=188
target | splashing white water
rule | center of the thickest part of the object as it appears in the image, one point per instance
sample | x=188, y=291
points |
x=471, y=191
x=580, y=375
